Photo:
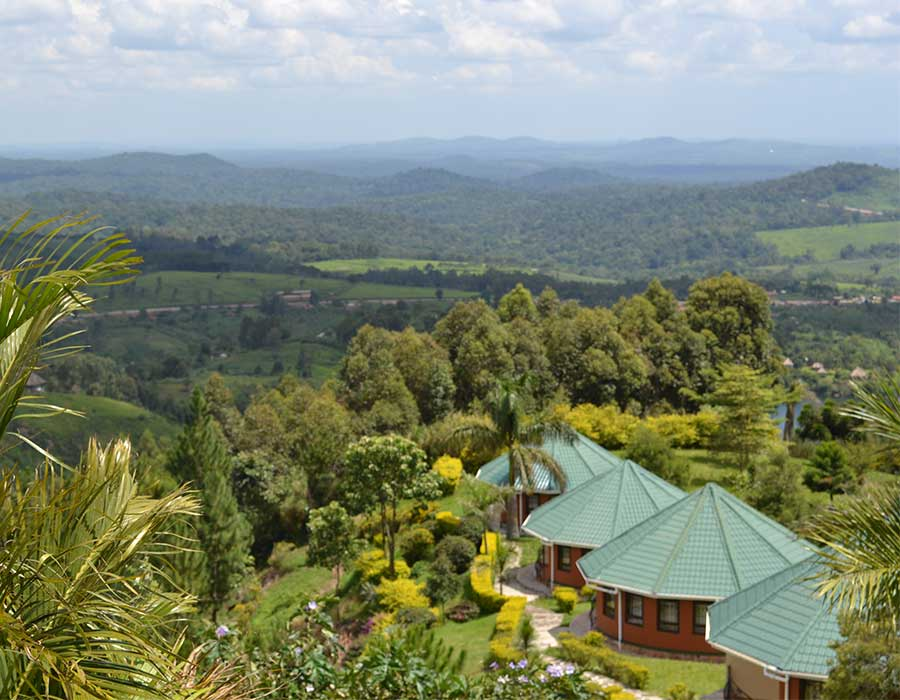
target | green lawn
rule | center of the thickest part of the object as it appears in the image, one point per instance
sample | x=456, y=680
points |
x=826, y=241
x=529, y=549
x=702, y=678
x=370, y=290
x=474, y=636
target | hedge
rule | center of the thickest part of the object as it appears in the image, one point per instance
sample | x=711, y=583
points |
x=400, y=594
x=591, y=652
x=481, y=583
x=509, y=619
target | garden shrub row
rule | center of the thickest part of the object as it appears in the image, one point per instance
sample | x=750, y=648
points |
x=591, y=652
x=481, y=583
x=509, y=619
x=613, y=428
x=566, y=598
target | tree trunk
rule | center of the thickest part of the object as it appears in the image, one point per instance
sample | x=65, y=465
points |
x=789, y=410
x=512, y=517
x=391, y=526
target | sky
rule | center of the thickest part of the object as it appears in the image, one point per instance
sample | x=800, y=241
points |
x=289, y=73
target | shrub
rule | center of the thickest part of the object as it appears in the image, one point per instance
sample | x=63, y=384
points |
x=420, y=569
x=458, y=551
x=587, y=592
x=591, y=652
x=450, y=469
x=502, y=645
x=447, y=522
x=416, y=616
x=281, y=556
x=463, y=611
x=373, y=565
x=482, y=585
x=606, y=425
x=472, y=529
x=490, y=545
x=654, y=452
x=565, y=598
x=680, y=691
x=417, y=544
x=401, y=593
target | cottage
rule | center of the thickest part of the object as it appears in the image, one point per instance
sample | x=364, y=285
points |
x=788, y=362
x=592, y=514
x=817, y=366
x=859, y=373
x=35, y=382
x=581, y=460
x=656, y=581
x=776, y=633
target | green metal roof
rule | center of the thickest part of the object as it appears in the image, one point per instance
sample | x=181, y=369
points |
x=581, y=460
x=603, y=508
x=709, y=545
x=780, y=622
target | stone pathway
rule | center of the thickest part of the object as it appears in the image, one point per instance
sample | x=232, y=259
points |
x=547, y=624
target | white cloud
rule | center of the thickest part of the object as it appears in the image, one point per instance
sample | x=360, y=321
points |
x=475, y=38
x=872, y=27
x=33, y=11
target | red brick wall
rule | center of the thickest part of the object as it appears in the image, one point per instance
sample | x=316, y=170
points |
x=648, y=635
x=572, y=577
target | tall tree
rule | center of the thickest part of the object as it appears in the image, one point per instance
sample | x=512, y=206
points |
x=829, y=470
x=506, y=426
x=201, y=455
x=381, y=471
x=746, y=398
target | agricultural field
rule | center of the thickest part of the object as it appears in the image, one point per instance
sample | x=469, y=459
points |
x=826, y=242
x=356, y=266
x=176, y=288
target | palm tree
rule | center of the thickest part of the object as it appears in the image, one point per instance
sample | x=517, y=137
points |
x=87, y=608
x=861, y=538
x=507, y=427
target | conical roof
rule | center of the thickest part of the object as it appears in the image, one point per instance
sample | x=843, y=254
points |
x=603, y=508
x=580, y=460
x=708, y=545
x=780, y=622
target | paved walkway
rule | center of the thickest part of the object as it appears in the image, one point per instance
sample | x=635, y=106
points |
x=548, y=624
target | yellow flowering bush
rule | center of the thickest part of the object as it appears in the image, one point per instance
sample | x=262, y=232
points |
x=509, y=619
x=401, y=593
x=373, y=565
x=565, y=598
x=450, y=469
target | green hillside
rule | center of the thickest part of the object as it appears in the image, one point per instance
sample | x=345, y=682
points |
x=65, y=436
x=826, y=242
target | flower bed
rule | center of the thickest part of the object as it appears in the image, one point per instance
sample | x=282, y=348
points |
x=591, y=652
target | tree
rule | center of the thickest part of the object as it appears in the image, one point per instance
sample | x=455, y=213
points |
x=381, y=471
x=332, y=538
x=654, y=452
x=794, y=393
x=734, y=316
x=775, y=487
x=442, y=582
x=867, y=662
x=225, y=535
x=507, y=427
x=517, y=303
x=746, y=400
x=829, y=470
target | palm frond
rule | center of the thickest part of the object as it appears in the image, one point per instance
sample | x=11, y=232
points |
x=878, y=409
x=861, y=544
x=524, y=459
x=475, y=432
x=45, y=269
x=540, y=431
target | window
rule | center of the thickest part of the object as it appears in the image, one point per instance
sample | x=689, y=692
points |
x=810, y=690
x=565, y=558
x=609, y=605
x=700, y=617
x=634, y=609
x=533, y=502
x=667, y=615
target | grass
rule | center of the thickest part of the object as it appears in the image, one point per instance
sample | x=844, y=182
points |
x=278, y=602
x=370, y=290
x=701, y=677
x=357, y=266
x=65, y=436
x=529, y=549
x=826, y=242
x=474, y=636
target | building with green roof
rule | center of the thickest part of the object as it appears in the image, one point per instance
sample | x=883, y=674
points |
x=593, y=514
x=776, y=635
x=581, y=460
x=656, y=581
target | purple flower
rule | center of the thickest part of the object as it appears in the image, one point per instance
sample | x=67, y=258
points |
x=312, y=605
x=222, y=631
x=512, y=665
x=570, y=669
x=555, y=671
x=494, y=666
x=522, y=664
x=524, y=679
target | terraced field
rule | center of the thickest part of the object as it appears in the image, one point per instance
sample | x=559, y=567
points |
x=826, y=242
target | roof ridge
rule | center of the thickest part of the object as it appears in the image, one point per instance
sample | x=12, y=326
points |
x=615, y=517
x=681, y=538
x=771, y=545
x=638, y=476
x=727, y=541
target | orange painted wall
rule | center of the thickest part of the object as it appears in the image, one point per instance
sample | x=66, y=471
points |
x=572, y=577
x=649, y=635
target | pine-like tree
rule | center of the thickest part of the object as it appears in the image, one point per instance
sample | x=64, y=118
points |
x=201, y=456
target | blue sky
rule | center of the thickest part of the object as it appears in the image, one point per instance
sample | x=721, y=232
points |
x=291, y=72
